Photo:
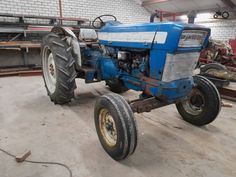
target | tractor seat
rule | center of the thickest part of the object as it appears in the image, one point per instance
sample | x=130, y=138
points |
x=88, y=35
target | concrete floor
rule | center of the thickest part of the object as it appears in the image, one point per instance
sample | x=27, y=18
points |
x=167, y=145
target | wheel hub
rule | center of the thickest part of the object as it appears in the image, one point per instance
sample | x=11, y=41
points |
x=196, y=100
x=195, y=103
x=108, y=127
x=49, y=70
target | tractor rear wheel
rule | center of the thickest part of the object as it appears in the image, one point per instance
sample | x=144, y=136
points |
x=115, y=125
x=225, y=15
x=58, y=69
x=116, y=86
x=203, y=104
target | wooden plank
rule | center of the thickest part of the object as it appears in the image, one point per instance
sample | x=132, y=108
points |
x=23, y=156
x=21, y=73
x=228, y=92
x=19, y=44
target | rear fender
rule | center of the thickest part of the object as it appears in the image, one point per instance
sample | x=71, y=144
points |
x=72, y=41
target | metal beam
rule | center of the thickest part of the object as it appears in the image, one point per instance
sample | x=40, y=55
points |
x=150, y=2
x=60, y=9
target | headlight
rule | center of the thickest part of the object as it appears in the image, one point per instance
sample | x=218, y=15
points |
x=192, y=38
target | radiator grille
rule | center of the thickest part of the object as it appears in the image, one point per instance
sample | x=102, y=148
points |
x=179, y=66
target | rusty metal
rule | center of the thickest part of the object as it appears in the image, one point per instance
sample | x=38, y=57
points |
x=22, y=35
x=228, y=75
x=219, y=52
x=21, y=18
x=26, y=16
x=149, y=83
x=146, y=105
x=19, y=44
x=72, y=19
x=60, y=9
x=233, y=69
x=150, y=2
x=21, y=73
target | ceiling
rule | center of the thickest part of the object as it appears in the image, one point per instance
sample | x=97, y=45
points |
x=185, y=5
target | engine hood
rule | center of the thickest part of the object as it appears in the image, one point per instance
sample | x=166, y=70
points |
x=144, y=35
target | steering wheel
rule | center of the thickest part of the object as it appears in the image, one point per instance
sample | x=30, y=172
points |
x=102, y=22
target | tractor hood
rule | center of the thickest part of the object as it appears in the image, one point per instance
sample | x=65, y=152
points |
x=164, y=35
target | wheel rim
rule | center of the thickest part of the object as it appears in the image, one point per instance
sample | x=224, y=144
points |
x=225, y=15
x=49, y=70
x=195, y=103
x=107, y=127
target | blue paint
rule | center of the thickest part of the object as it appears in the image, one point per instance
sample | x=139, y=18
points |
x=157, y=63
x=90, y=57
x=127, y=44
x=106, y=67
x=174, y=31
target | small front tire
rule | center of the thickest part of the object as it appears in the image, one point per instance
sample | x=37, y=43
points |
x=115, y=125
x=203, y=104
x=215, y=16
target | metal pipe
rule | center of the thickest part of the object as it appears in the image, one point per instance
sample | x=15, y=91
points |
x=60, y=9
x=152, y=17
x=150, y=2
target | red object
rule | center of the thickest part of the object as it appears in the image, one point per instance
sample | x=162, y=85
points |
x=232, y=42
x=220, y=55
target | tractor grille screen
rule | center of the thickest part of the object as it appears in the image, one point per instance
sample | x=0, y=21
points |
x=192, y=38
x=179, y=66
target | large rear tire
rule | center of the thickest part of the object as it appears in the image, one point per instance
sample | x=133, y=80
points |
x=203, y=104
x=115, y=125
x=58, y=69
x=225, y=15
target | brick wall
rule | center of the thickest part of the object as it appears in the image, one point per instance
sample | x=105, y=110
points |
x=31, y=7
x=222, y=29
x=126, y=10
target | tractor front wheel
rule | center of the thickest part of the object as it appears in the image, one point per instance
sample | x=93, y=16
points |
x=115, y=125
x=215, y=16
x=203, y=103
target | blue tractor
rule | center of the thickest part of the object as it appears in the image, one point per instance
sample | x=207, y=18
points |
x=157, y=59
